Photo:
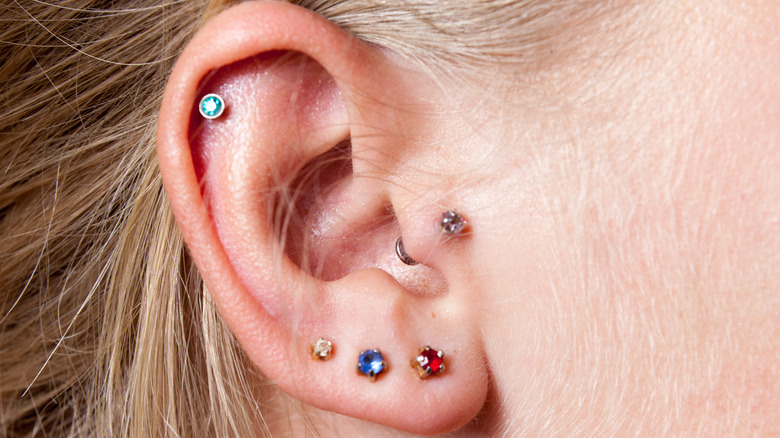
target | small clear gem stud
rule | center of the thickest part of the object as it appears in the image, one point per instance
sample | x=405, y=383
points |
x=452, y=223
x=321, y=349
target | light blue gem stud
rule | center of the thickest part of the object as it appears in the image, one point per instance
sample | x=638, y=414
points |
x=211, y=106
x=371, y=363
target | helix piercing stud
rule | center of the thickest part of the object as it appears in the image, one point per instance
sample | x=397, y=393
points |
x=321, y=349
x=428, y=362
x=401, y=252
x=371, y=363
x=211, y=106
x=452, y=223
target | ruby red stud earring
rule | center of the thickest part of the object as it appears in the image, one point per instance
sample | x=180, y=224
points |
x=428, y=362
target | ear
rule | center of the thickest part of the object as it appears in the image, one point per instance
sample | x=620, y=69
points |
x=297, y=90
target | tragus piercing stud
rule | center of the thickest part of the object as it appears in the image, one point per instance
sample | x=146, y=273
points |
x=401, y=252
x=371, y=363
x=211, y=106
x=452, y=223
x=428, y=362
x=321, y=349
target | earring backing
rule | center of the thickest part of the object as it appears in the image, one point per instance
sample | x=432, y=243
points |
x=211, y=106
x=428, y=362
x=452, y=223
x=401, y=252
x=371, y=363
x=321, y=349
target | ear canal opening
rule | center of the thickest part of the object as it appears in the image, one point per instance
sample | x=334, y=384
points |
x=328, y=234
x=304, y=207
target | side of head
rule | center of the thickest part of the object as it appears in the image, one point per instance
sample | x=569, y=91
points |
x=169, y=273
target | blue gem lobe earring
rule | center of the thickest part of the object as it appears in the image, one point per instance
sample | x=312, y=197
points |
x=371, y=363
x=211, y=106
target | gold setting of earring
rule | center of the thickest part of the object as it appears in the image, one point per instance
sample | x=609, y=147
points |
x=321, y=349
x=429, y=362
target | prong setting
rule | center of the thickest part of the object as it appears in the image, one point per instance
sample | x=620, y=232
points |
x=428, y=362
x=452, y=223
x=321, y=349
x=371, y=363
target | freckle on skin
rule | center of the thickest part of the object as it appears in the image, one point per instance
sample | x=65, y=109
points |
x=433, y=315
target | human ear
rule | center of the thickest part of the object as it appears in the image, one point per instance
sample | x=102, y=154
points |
x=296, y=89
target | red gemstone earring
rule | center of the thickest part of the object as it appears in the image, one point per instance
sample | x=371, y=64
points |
x=428, y=362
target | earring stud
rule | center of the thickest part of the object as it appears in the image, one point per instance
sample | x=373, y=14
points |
x=428, y=362
x=452, y=223
x=321, y=349
x=371, y=363
x=401, y=252
x=211, y=106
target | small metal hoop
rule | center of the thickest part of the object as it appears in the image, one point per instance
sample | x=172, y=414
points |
x=401, y=252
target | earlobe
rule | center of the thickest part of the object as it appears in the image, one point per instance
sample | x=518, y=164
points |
x=293, y=87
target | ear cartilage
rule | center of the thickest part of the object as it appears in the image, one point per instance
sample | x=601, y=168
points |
x=452, y=223
x=321, y=349
x=428, y=362
x=211, y=106
x=401, y=252
x=371, y=363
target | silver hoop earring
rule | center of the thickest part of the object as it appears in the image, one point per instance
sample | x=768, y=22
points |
x=401, y=252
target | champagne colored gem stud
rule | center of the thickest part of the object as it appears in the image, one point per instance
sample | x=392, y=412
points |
x=371, y=363
x=452, y=223
x=211, y=106
x=321, y=349
x=428, y=362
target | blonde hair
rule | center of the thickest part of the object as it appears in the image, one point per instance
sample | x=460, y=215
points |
x=105, y=326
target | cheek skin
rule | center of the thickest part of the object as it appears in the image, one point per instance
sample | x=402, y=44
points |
x=631, y=242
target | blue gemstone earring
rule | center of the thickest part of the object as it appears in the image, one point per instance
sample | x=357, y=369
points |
x=211, y=106
x=371, y=363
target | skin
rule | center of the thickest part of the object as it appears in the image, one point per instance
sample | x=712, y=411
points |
x=620, y=272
